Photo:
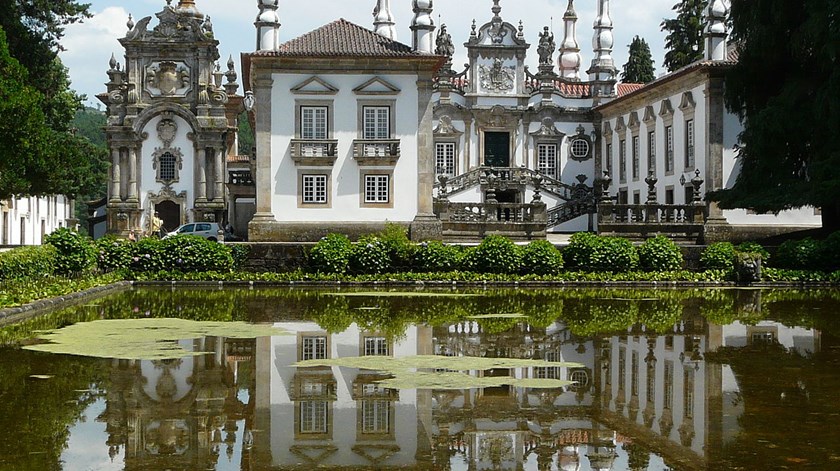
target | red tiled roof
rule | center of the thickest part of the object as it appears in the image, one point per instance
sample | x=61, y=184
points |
x=238, y=159
x=627, y=88
x=342, y=38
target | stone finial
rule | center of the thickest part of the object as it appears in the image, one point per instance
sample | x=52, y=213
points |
x=423, y=27
x=231, y=86
x=130, y=23
x=497, y=9
x=603, y=68
x=570, y=59
x=716, y=31
x=113, y=62
x=383, y=20
x=268, y=26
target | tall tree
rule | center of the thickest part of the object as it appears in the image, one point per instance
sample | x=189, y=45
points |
x=39, y=154
x=684, y=43
x=786, y=90
x=639, y=67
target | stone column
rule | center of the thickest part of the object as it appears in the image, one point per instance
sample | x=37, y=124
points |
x=116, y=183
x=201, y=169
x=717, y=227
x=219, y=167
x=262, y=92
x=132, y=175
x=426, y=225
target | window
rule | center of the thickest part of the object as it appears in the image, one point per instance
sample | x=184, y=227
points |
x=622, y=161
x=202, y=227
x=376, y=346
x=580, y=149
x=669, y=195
x=609, y=159
x=622, y=368
x=689, y=143
x=314, y=348
x=187, y=229
x=579, y=376
x=377, y=189
x=313, y=417
x=547, y=159
x=445, y=158
x=635, y=157
x=377, y=122
x=669, y=385
x=550, y=372
x=376, y=416
x=669, y=149
x=651, y=382
x=688, y=393
x=652, y=151
x=314, y=189
x=168, y=167
x=313, y=122
x=634, y=378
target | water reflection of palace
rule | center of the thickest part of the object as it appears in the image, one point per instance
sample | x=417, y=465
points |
x=247, y=407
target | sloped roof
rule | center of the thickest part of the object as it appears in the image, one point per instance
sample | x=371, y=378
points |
x=627, y=88
x=342, y=38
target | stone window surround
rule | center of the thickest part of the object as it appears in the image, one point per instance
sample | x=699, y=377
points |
x=688, y=108
x=635, y=150
x=300, y=104
x=557, y=160
x=314, y=171
x=362, y=188
x=622, y=160
x=608, y=148
x=328, y=421
x=454, y=142
x=156, y=164
x=666, y=112
x=367, y=335
x=361, y=104
x=304, y=335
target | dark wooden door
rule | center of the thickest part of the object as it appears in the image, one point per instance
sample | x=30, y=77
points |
x=497, y=149
x=170, y=213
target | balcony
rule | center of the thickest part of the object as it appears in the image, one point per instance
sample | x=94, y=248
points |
x=376, y=152
x=466, y=221
x=314, y=152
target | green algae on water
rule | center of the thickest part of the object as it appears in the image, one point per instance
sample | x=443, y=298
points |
x=405, y=377
x=402, y=294
x=498, y=316
x=142, y=339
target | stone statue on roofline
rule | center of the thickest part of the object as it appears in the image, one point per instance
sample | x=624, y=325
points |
x=546, y=47
x=443, y=44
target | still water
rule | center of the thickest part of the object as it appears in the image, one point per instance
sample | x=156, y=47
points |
x=682, y=380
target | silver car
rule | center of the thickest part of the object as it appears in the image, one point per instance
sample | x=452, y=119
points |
x=208, y=230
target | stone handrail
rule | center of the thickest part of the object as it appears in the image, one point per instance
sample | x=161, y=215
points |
x=570, y=211
x=688, y=214
x=491, y=212
x=376, y=151
x=515, y=176
x=314, y=151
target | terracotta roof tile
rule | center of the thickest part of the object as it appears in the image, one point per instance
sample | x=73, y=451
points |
x=238, y=159
x=627, y=88
x=342, y=38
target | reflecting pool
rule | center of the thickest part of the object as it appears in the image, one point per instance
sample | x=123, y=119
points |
x=651, y=380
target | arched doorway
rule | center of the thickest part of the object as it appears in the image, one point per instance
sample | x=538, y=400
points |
x=170, y=213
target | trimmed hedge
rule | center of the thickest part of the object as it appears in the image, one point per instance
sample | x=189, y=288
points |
x=660, y=254
x=76, y=253
x=541, y=257
x=495, y=254
x=718, y=256
x=25, y=263
x=611, y=254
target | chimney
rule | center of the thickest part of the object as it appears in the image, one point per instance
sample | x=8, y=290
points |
x=716, y=31
x=268, y=26
x=423, y=27
x=383, y=20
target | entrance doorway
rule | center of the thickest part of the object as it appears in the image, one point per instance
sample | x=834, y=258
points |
x=497, y=149
x=170, y=213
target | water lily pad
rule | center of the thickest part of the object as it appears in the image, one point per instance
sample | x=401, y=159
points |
x=499, y=316
x=142, y=339
x=402, y=294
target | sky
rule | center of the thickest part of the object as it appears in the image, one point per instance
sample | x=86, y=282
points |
x=89, y=45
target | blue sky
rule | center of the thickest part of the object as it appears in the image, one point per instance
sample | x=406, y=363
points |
x=90, y=44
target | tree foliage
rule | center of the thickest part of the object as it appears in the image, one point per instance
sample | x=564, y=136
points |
x=684, y=43
x=786, y=90
x=639, y=67
x=39, y=154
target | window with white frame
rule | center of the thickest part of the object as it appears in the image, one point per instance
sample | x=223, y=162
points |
x=313, y=122
x=688, y=393
x=622, y=161
x=377, y=346
x=669, y=385
x=550, y=372
x=314, y=189
x=313, y=417
x=635, y=157
x=634, y=374
x=609, y=162
x=376, y=416
x=547, y=159
x=652, y=151
x=314, y=348
x=377, y=122
x=580, y=149
x=377, y=189
x=669, y=149
x=445, y=158
x=689, y=143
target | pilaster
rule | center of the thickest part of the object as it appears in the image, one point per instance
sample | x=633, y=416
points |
x=426, y=225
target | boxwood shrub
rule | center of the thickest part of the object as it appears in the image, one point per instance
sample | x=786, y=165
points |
x=25, y=263
x=579, y=252
x=660, y=254
x=541, y=257
x=495, y=254
x=802, y=254
x=331, y=255
x=591, y=252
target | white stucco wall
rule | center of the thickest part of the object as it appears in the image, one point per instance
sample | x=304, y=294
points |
x=147, y=176
x=23, y=220
x=346, y=182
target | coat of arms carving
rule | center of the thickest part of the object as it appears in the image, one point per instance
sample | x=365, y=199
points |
x=167, y=78
x=497, y=77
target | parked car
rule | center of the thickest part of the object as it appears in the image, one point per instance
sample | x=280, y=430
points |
x=208, y=230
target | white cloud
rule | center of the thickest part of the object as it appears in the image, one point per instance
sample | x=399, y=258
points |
x=90, y=44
